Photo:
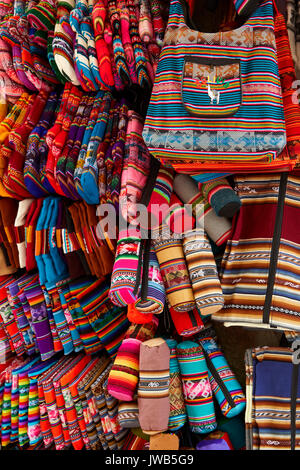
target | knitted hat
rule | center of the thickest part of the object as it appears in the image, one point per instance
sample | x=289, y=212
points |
x=42, y=16
x=19, y=68
x=30, y=236
x=12, y=90
x=50, y=55
x=7, y=62
x=86, y=29
x=62, y=46
x=20, y=220
x=81, y=58
x=103, y=56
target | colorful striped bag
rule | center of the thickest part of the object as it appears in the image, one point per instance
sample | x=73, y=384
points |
x=217, y=98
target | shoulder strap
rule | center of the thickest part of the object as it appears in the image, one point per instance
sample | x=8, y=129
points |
x=245, y=7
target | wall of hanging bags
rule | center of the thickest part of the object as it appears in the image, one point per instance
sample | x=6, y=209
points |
x=108, y=341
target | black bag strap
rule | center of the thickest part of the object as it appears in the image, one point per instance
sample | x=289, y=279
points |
x=145, y=278
x=275, y=246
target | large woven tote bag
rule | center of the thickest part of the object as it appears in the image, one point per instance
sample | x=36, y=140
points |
x=216, y=100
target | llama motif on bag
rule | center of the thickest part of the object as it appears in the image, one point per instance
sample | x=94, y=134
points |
x=217, y=97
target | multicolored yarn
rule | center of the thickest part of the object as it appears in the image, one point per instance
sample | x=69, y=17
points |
x=81, y=57
x=178, y=416
x=60, y=386
x=108, y=38
x=14, y=418
x=45, y=427
x=71, y=162
x=74, y=414
x=23, y=386
x=60, y=175
x=6, y=406
x=196, y=387
x=18, y=312
x=62, y=46
x=51, y=404
x=99, y=431
x=88, y=34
